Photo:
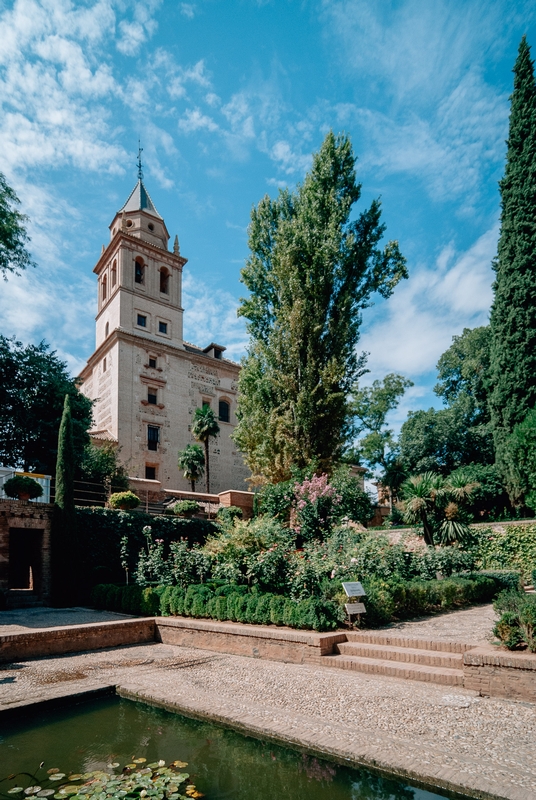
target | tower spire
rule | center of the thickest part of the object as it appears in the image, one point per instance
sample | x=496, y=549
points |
x=140, y=168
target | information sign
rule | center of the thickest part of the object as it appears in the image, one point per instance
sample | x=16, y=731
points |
x=354, y=589
x=355, y=608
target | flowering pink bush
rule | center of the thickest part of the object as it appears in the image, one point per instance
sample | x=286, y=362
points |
x=314, y=500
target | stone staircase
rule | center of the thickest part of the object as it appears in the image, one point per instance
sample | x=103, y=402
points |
x=22, y=598
x=400, y=657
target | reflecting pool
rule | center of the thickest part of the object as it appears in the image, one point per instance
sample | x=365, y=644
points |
x=221, y=763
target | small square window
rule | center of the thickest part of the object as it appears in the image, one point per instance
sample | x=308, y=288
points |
x=152, y=397
x=142, y=321
x=150, y=473
x=152, y=363
x=162, y=327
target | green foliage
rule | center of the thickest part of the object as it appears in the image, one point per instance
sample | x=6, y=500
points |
x=489, y=499
x=519, y=460
x=22, y=485
x=14, y=256
x=185, y=507
x=192, y=461
x=124, y=500
x=512, y=321
x=508, y=547
x=310, y=271
x=463, y=372
x=438, y=506
x=33, y=385
x=517, y=623
x=370, y=407
x=100, y=464
x=65, y=463
x=228, y=514
x=354, y=504
x=205, y=427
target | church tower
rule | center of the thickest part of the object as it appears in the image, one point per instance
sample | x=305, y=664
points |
x=145, y=380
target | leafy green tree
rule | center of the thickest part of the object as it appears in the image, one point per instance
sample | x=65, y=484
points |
x=513, y=313
x=519, y=461
x=33, y=385
x=65, y=463
x=100, y=467
x=463, y=373
x=14, y=256
x=441, y=441
x=489, y=500
x=311, y=271
x=205, y=427
x=192, y=461
x=378, y=448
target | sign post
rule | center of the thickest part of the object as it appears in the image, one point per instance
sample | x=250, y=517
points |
x=353, y=590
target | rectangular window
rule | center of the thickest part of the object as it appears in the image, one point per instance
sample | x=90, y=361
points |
x=162, y=327
x=142, y=321
x=152, y=363
x=104, y=365
x=150, y=473
x=152, y=396
x=153, y=437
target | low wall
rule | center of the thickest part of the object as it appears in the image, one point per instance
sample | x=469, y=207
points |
x=272, y=643
x=499, y=673
x=75, y=638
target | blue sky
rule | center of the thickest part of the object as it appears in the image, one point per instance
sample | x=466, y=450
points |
x=230, y=98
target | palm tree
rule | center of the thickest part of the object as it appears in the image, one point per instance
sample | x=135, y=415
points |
x=422, y=493
x=437, y=505
x=204, y=426
x=192, y=461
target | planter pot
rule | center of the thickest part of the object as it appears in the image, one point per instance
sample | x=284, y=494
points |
x=24, y=496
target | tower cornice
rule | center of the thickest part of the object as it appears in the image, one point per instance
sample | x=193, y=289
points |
x=139, y=244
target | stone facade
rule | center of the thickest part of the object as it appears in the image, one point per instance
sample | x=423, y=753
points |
x=146, y=380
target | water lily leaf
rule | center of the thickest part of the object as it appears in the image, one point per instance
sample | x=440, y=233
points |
x=58, y=776
x=139, y=760
x=69, y=789
x=52, y=771
x=45, y=792
x=75, y=777
x=15, y=790
x=32, y=790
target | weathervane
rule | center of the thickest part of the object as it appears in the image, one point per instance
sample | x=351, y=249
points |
x=140, y=169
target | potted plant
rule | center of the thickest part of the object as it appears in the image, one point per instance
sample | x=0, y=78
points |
x=186, y=508
x=23, y=488
x=125, y=501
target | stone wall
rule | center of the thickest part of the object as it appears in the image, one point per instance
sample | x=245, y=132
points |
x=500, y=673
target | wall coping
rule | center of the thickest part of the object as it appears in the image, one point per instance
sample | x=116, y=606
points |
x=273, y=632
x=491, y=656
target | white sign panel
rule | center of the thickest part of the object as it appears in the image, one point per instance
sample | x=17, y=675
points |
x=354, y=589
x=355, y=608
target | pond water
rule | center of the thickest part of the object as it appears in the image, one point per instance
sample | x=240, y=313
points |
x=222, y=763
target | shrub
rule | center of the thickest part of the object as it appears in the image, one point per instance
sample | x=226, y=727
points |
x=508, y=547
x=23, y=485
x=517, y=623
x=185, y=507
x=124, y=500
x=228, y=514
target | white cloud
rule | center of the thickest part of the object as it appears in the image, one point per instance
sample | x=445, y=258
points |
x=188, y=10
x=415, y=326
x=195, y=120
x=288, y=160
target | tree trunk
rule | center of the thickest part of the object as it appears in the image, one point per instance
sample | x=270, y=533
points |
x=193, y=485
x=207, y=467
x=427, y=531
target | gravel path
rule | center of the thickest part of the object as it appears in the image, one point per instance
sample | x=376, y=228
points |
x=470, y=625
x=419, y=729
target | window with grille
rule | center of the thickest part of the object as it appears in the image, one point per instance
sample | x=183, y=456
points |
x=152, y=396
x=162, y=327
x=142, y=320
x=153, y=437
x=150, y=473
x=223, y=411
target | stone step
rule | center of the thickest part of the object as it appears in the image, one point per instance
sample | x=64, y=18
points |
x=410, y=655
x=394, y=640
x=395, y=669
x=22, y=599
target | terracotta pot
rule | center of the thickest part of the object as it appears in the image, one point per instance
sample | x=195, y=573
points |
x=24, y=496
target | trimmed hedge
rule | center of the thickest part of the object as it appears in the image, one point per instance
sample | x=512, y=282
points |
x=227, y=602
x=385, y=601
x=396, y=600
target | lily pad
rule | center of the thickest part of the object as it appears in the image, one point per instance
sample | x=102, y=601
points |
x=15, y=790
x=45, y=792
x=32, y=790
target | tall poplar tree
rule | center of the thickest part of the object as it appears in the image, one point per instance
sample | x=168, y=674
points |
x=513, y=314
x=311, y=271
x=65, y=463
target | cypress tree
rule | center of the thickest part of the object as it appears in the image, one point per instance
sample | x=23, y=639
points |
x=64, y=496
x=513, y=314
